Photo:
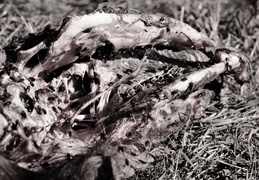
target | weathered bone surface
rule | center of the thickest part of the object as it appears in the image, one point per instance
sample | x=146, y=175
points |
x=108, y=88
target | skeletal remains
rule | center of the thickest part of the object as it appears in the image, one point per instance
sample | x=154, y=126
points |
x=93, y=97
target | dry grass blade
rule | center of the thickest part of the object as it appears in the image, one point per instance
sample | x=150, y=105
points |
x=221, y=145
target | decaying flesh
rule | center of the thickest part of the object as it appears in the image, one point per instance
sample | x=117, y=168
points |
x=123, y=31
x=106, y=81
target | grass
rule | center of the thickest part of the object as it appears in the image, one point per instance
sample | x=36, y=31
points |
x=224, y=144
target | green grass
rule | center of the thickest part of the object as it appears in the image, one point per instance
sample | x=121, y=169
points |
x=224, y=144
